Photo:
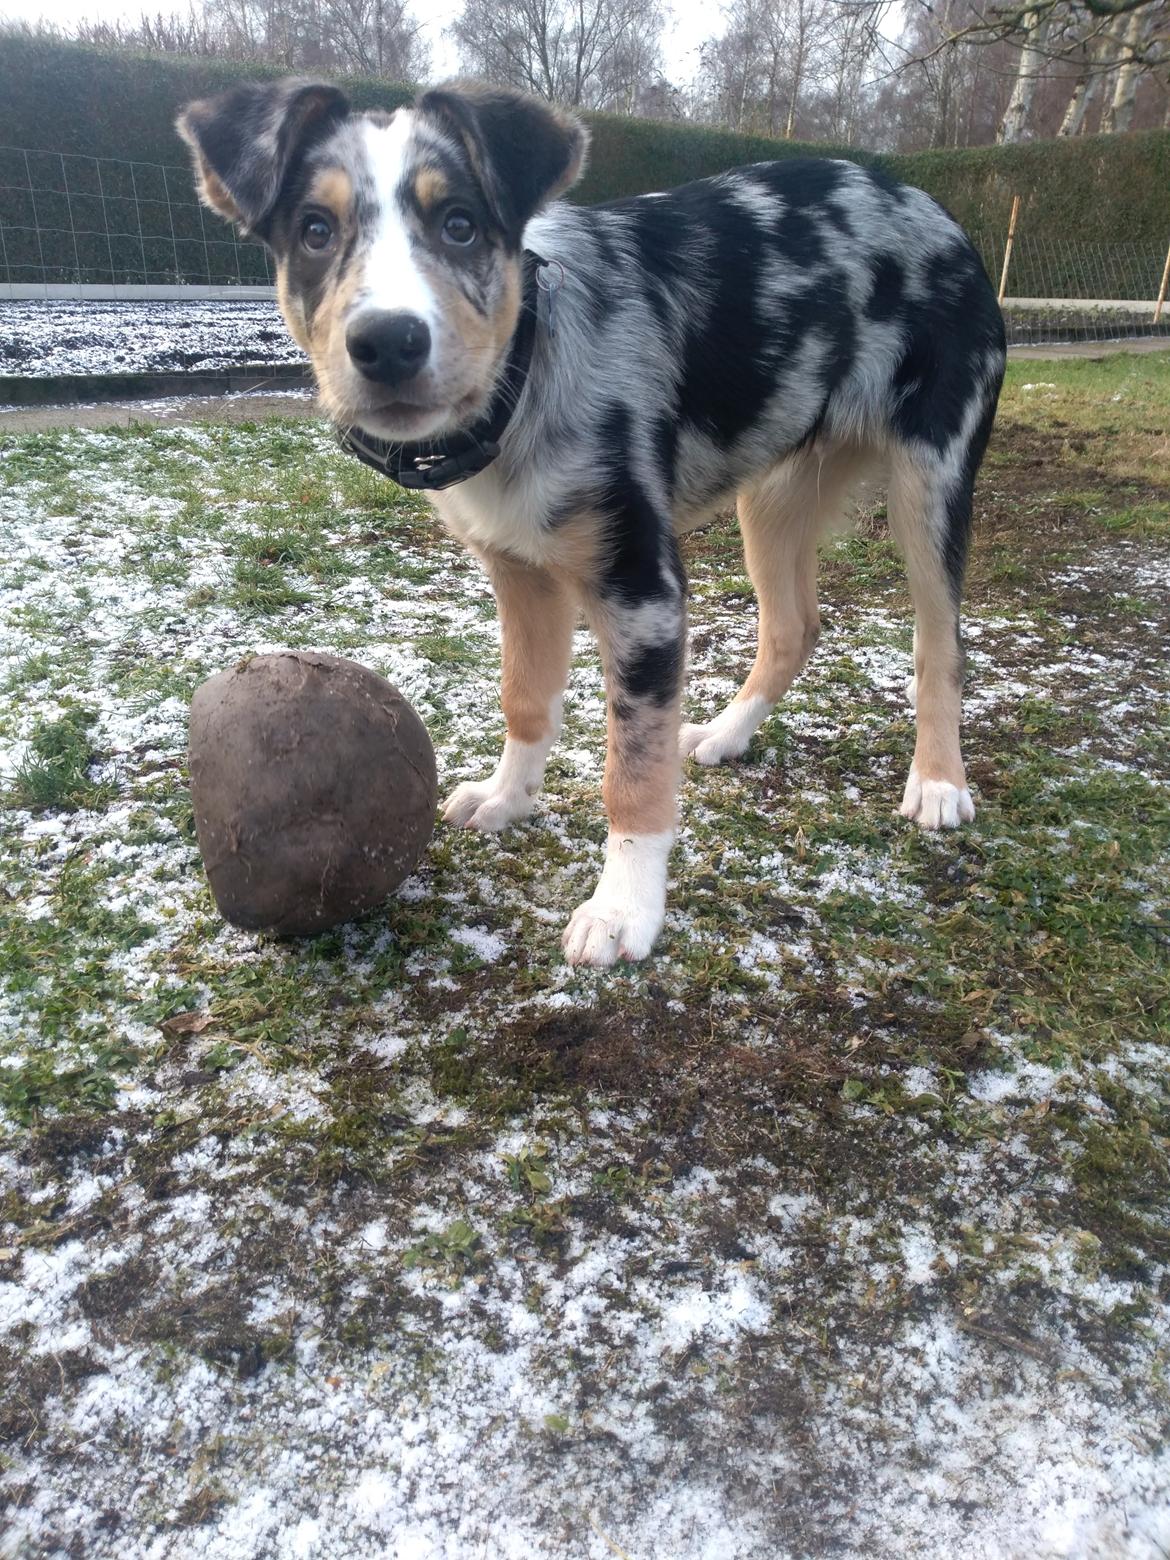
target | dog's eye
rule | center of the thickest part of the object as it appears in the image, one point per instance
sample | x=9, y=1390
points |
x=458, y=228
x=316, y=232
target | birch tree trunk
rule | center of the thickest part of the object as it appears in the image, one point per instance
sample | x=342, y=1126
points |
x=1078, y=105
x=1119, y=115
x=1088, y=84
x=1015, y=120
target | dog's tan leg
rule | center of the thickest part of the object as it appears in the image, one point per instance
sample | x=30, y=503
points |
x=781, y=519
x=643, y=647
x=537, y=613
x=936, y=795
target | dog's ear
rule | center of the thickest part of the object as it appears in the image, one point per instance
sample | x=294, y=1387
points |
x=524, y=151
x=244, y=139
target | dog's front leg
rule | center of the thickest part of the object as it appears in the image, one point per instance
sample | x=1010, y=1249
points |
x=537, y=613
x=638, y=611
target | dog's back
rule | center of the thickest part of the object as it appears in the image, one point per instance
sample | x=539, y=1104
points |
x=752, y=312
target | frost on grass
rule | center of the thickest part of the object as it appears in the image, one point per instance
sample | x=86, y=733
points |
x=142, y=337
x=837, y=1228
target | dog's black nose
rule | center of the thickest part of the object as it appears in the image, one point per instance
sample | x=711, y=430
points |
x=388, y=346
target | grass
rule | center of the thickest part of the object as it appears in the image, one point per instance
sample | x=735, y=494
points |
x=55, y=771
x=429, y=1155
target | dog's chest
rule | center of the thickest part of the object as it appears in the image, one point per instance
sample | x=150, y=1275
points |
x=496, y=514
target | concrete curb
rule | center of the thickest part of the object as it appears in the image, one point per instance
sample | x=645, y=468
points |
x=66, y=389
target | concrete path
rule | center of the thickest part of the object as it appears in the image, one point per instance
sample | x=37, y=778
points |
x=1093, y=349
x=174, y=409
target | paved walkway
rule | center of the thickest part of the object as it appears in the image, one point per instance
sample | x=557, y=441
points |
x=175, y=409
x=1093, y=349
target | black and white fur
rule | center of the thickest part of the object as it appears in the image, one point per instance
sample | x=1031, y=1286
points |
x=767, y=337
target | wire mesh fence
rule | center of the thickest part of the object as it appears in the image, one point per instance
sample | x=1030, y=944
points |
x=1067, y=290
x=69, y=220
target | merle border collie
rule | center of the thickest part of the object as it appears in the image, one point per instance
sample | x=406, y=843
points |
x=576, y=387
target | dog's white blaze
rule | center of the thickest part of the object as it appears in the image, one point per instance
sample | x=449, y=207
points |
x=390, y=277
x=628, y=906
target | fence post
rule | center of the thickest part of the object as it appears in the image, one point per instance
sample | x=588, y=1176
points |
x=1162, y=289
x=1007, y=253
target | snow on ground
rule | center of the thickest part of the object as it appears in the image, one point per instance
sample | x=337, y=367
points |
x=39, y=339
x=819, y=1234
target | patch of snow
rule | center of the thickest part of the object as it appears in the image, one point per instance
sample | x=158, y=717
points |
x=42, y=339
x=486, y=945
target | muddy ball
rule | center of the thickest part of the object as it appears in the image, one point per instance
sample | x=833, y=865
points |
x=314, y=788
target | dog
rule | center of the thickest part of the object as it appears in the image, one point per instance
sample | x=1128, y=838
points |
x=577, y=387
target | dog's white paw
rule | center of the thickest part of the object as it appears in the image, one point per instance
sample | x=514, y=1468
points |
x=485, y=804
x=936, y=804
x=600, y=934
x=728, y=735
x=505, y=796
x=628, y=906
x=912, y=693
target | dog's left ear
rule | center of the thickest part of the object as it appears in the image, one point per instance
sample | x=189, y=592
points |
x=244, y=140
x=524, y=151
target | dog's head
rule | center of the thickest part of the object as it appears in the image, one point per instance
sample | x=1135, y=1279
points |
x=397, y=237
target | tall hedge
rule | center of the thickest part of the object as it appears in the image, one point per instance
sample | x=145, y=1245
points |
x=1105, y=189
x=631, y=156
x=68, y=98
x=63, y=97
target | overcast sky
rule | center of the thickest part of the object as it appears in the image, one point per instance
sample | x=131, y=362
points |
x=689, y=23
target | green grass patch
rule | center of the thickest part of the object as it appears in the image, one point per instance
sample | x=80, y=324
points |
x=55, y=771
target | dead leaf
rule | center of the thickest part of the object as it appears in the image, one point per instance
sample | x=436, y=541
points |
x=188, y=1023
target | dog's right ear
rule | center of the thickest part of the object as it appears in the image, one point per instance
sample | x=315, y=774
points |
x=244, y=139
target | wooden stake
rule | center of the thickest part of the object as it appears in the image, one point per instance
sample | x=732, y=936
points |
x=1162, y=289
x=1007, y=254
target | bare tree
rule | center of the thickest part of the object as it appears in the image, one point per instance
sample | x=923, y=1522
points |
x=768, y=64
x=850, y=47
x=800, y=29
x=1015, y=123
x=163, y=33
x=1086, y=86
x=1128, y=39
x=733, y=70
x=376, y=37
x=585, y=53
x=1118, y=115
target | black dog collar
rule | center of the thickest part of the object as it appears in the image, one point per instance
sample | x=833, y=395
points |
x=434, y=464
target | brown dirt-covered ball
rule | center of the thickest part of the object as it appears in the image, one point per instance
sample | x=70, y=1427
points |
x=314, y=788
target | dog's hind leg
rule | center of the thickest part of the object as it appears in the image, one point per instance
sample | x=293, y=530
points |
x=930, y=514
x=537, y=614
x=781, y=519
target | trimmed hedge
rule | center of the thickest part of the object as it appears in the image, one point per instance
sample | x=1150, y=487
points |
x=631, y=156
x=64, y=97
x=124, y=105
x=1105, y=189
x=68, y=98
